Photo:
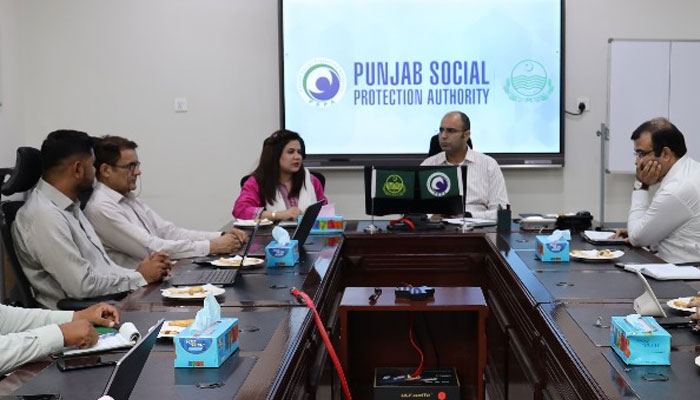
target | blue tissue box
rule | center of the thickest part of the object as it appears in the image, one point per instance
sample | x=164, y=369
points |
x=282, y=256
x=552, y=251
x=208, y=348
x=650, y=345
x=322, y=225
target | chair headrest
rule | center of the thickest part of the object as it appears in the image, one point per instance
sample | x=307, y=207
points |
x=26, y=172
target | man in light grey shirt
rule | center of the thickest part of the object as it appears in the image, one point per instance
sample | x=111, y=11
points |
x=486, y=188
x=31, y=334
x=668, y=221
x=57, y=247
x=128, y=227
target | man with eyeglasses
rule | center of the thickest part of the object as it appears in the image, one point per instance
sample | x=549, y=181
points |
x=127, y=226
x=668, y=221
x=56, y=245
x=486, y=188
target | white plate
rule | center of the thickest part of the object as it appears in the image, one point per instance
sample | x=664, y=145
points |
x=288, y=224
x=251, y=222
x=671, y=303
x=697, y=361
x=236, y=262
x=170, y=331
x=593, y=255
x=182, y=292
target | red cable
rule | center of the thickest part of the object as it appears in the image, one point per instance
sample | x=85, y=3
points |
x=418, y=370
x=324, y=335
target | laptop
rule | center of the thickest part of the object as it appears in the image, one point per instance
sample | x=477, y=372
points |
x=217, y=277
x=307, y=222
x=128, y=369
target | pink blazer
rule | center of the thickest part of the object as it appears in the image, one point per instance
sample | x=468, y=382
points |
x=248, y=205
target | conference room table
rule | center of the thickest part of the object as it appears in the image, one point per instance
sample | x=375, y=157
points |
x=547, y=328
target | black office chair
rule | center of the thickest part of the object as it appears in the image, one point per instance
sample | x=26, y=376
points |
x=318, y=175
x=435, y=145
x=23, y=177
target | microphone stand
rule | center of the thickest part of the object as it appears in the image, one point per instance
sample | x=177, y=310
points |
x=372, y=228
x=466, y=227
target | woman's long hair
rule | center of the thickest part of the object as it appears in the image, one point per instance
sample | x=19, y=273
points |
x=268, y=171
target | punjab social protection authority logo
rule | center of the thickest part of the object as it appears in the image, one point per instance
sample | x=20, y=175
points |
x=438, y=184
x=321, y=82
x=394, y=186
x=529, y=82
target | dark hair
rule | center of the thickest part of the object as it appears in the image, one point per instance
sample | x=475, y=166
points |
x=663, y=134
x=465, y=120
x=268, y=171
x=108, y=150
x=61, y=145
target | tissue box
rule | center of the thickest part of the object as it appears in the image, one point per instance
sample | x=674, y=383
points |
x=552, y=251
x=282, y=256
x=649, y=344
x=208, y=348
x=334, y=224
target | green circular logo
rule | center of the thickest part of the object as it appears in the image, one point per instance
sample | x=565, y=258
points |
x=528, y=78
x=394, y=186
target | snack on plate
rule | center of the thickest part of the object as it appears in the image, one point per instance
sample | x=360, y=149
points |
x=692, y=302
x=233, y=261
x=191, y=290
x=605, y=253
x=181, y=322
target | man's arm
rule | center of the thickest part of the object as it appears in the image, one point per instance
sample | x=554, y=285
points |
x=29, y=335
x=649, y=224
x=497, y=193
x=59, y=256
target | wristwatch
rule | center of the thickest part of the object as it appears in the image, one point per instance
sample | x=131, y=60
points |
x=273, y=215
x=638, y=185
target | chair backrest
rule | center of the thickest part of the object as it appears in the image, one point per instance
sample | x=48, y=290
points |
x=22, y=294
x=318, y=175
x=435, y=145
x=26, y=172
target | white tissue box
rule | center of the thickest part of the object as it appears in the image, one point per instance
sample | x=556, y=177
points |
x=208, y=348
x=278, y=255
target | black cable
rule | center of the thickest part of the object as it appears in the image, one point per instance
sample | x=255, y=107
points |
x=581, y=109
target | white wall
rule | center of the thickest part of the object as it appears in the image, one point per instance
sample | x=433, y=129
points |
x=11, y=132
x=115, y=67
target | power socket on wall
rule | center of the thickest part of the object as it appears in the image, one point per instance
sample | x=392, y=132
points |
x=586, y=104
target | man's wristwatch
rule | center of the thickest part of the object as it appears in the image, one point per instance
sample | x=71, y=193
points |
x=638, y=185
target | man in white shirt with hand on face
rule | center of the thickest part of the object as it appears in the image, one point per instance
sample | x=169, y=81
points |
x=486, y=188
x=128, y=227
x=668, y=222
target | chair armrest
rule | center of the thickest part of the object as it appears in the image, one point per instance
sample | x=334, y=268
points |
x=79, y=304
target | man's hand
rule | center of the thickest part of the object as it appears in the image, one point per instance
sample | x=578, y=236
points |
x=155, y=266
x=224, y=244
x=620, y=233
x=649, y=173
x=291, y=213
x=240, y=235
x=78, y=333
x=100, y=314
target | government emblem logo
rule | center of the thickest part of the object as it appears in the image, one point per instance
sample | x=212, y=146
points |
x=394, y=186
x=528, y=82
x=321, y=82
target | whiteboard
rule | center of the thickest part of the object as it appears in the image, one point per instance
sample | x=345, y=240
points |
x=648, y=79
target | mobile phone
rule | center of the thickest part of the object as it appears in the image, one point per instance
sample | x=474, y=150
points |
x=69, y=364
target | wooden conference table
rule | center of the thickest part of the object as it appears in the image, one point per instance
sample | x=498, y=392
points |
x=543, y=339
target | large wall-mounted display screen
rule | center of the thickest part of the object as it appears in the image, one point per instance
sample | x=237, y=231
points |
x=367, y=81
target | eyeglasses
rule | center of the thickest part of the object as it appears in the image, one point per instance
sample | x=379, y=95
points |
x=640, y=153
x=131, y=167
x=449, y=131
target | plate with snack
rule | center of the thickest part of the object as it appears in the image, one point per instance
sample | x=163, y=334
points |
x=249, y=223
x=192, y=292
x=236, y=262
x=697, y=361
x=596, y=254
x=685, y=304
x=170, y=329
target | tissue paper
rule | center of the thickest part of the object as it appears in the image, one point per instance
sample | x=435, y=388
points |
x=554, y=247
x=281, y=252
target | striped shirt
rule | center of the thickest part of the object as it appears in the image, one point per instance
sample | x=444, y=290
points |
x=486, y=188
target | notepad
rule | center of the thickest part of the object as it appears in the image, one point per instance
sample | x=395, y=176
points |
x=126, y=336
x=601, y=237
x=664, y=271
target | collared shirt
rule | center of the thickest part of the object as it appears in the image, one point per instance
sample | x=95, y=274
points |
x=670, y=223
x=60, y=252
x=486, y=188
x=28, y=335
x=130, y=230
